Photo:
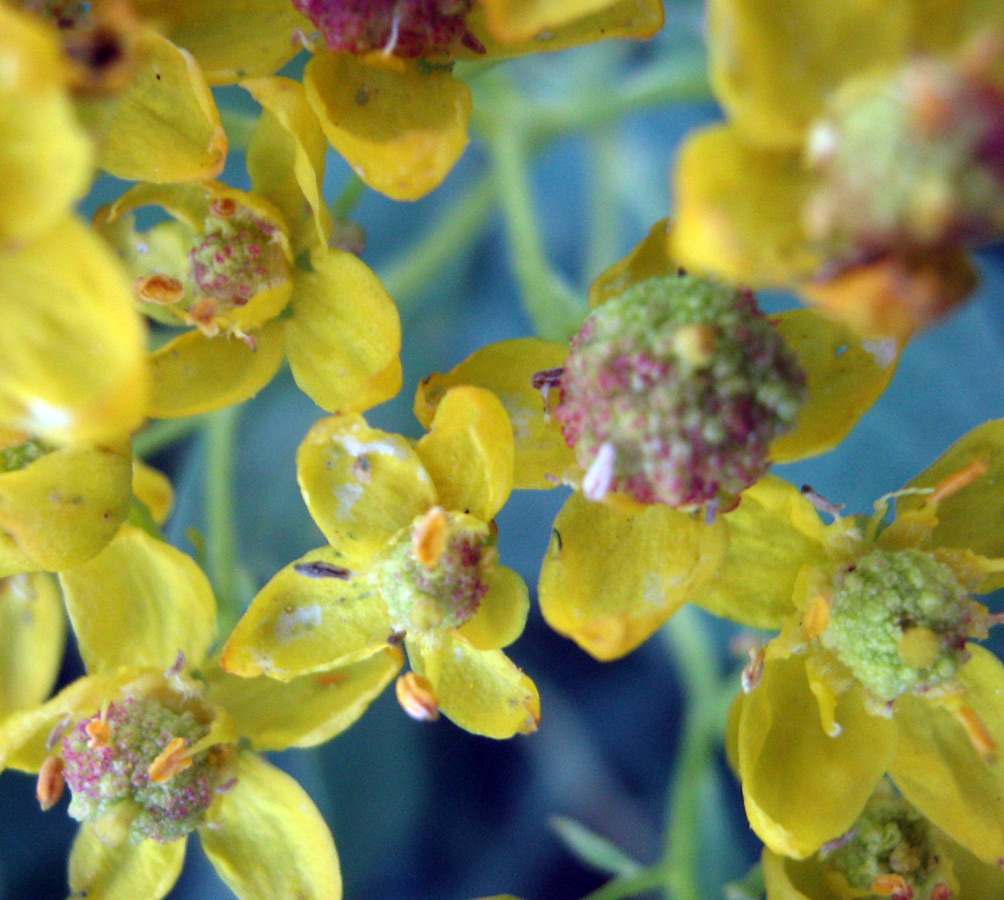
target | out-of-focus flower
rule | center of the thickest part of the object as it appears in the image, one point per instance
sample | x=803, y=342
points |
x=412, y=559
x=253, y=273
x=380, y=79
x=692, y=428
x=862, y=156
x=890, y=851
x=154, y=742
x=143, y=99
x=872, y=672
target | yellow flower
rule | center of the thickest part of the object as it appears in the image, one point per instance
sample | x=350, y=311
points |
x=664, y=556
x=412, y=559
x=872, y=673
x=380, y=79
x=860, y=157
x=254, y=274
x=891, y=851
x=155, y=741
x=143, y=99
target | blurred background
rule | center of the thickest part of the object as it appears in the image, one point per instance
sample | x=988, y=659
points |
x=426, y=811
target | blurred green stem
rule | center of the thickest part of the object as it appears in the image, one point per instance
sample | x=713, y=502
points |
x=163, y=434
x=343, y=205
x=221, y=533
x=629, y=885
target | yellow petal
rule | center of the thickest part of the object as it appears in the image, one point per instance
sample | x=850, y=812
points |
x=506, y=369
x=966, y=518
x=469, y=452
x=343, y=334
x=501, y=617
x=399, y=126
x=977, y=880
x=266, y=839
x=125, y=871
x=231, y=39
x=780, y=874
x=25, y=734
x=773, y=64
x=946, y=26
x=33, y=629
x=612, y=576
x=482, y=691
x=285, y=157
x=164, y=126
x=65, y=297
x=846, y=375
x=308, y=710
x=650, y=258
x=45, y=156
x=153, y=489
x=532, y=26
x=138, y=603
x=361, y=485
x=313, y=615
x=770, y=538
x=67, y=505
x=939, y=770
x=801, y=786
x=195, y=374
x=739, y=210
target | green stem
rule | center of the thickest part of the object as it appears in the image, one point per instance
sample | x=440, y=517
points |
x=551, y=304
x=238, y=127
x=343, y=205
x=697, y=667
x=604, y=220
x=162, y=434
x=410, y=273
x=629, y=885
x=221, y=531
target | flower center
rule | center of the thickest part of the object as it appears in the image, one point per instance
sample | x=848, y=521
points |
x=890, y=851
x=238, y=256
x=434, y=575
x=406, y=28
x=911, y=162
x=132, y=760
x=899, y=620
x=673, y=392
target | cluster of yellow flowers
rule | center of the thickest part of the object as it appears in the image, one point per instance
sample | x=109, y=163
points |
x=862, y=160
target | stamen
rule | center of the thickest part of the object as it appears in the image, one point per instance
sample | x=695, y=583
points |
x=816, y=617
x=892, y=885
x=976, y=730
x=395, y=31
x=50, y=785
x=753, y=670
x=329, y=679
x=172, y=759
x=955, y=482
x=428, y=540
x=99, y=732
x=821, y=503
x=417, y=697
x=160, y=289
x=600, y=477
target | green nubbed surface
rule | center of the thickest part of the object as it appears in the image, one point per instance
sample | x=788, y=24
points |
x=878, y=600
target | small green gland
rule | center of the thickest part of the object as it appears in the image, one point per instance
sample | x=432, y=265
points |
x=899, y=621
x=434, y=574
x=915, y=161
x=891, y=844
x=673, y=391
x=107, y=764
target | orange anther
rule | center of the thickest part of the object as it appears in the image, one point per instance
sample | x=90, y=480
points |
x=224, y=207
x=50, y=784
x=171, y=760
x=331, y=678
x=892, y=886
x=417, y=697
x=816, y=617
x=976, y=730
x=955, y=482
x=161, y=289
x=99, y=732
x=428, y=540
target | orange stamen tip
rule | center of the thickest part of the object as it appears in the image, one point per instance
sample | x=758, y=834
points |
x=976, y=730
x=891, y=885
x=50, y=785
x=331, y=678
x=955, y=482
x=99, y=732
x=160, y=289
x=428, y=540
x=816, y=617
x=417, y=697
x=171, y=760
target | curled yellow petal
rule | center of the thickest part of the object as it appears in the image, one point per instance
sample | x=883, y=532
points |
x=34, y=632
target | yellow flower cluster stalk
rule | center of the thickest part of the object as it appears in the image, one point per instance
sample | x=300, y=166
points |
x=859, y=164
